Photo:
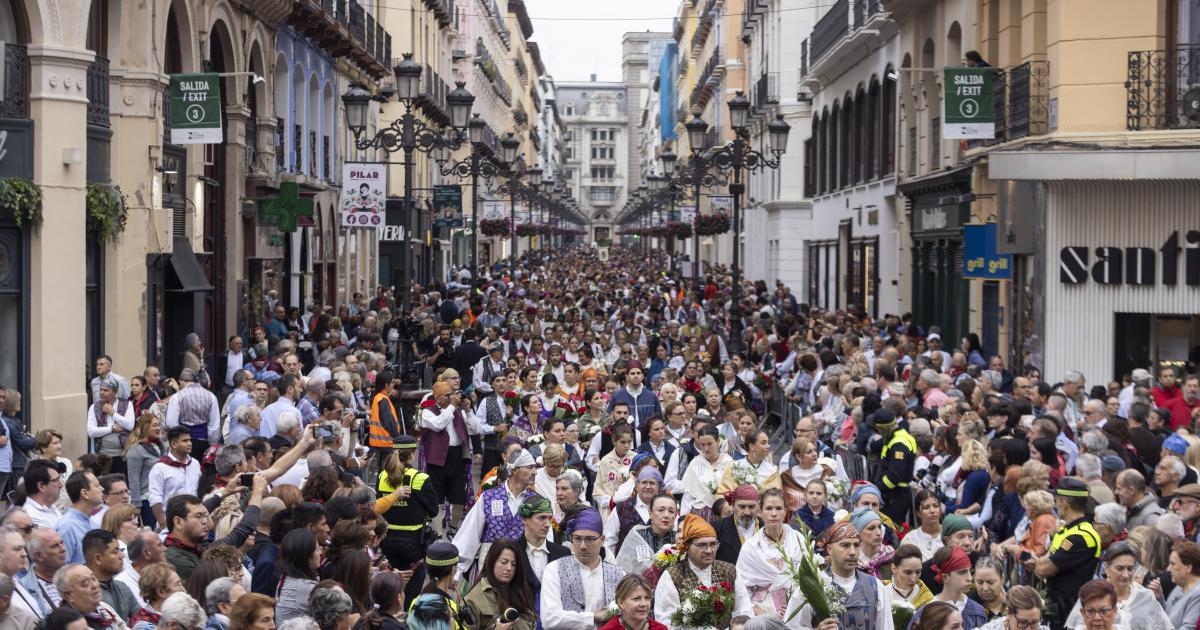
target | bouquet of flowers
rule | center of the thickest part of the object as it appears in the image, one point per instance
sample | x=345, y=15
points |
x=825, y=598
x=744, y=474
x=494, y=227
x=703, y=606
x=610, y=611
x=535, y=439
x=838, y=490
x=513, y=401
x=565, y=411
x=762, y=380
x=663, y=560
x=902, y=613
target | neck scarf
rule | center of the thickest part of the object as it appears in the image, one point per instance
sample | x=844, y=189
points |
x=171, y=461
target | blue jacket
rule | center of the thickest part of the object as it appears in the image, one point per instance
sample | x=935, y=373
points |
x=22, y=443
x=30, y=582
x=641, y=409
x=816, y=523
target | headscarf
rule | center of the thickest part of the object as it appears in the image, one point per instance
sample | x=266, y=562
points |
x=954, y=523
x=841, y=530
x=957, y=561
x=535, y=504
x=861, y=489
x=639, y=459
x=521, y=458
x=694, y=527
x=447, y=374
x=587, y=520
x=650, y=472
x=862, y=517
x=441, y=388
x=744, y=492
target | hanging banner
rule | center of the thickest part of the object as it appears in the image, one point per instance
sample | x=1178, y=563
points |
x=495, y=210
x=364, y=193
x=447, y=207
x=980, y=259
x=720, y=204
x=195, y=108
x=687, y=214
x=968, y=110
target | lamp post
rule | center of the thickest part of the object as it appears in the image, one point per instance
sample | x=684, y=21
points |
x=733, y=158
x=474, y=166
x=406, y=134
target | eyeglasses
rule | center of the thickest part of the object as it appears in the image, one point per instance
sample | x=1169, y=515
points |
x=584, y=540
x=117, y=492
x=28, y=529
x=705, y=546
x=1026, y=625
x=1096, y=612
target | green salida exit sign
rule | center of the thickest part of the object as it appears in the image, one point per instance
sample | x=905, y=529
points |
x=195, y=108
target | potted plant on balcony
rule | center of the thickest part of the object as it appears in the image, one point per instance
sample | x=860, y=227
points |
x=495, y=227
x=712, y=224
x=528, y=229
x=22, y=199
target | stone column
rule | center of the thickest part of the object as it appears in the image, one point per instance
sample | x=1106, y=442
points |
x=58, y=367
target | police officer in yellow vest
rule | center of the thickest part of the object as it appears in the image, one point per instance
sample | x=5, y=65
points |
x=442, y=565
x=1074, y=551
x=407, y=503
x=895, y=464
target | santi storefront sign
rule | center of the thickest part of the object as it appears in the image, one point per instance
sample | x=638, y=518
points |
x=1135, y=265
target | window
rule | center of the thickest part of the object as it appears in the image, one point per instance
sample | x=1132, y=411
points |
x=935, y=135
x=888, y=108
x=570, y=110
x=912, y=150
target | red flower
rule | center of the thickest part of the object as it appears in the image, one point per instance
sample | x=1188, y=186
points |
x=718, y=605
x=727, y=586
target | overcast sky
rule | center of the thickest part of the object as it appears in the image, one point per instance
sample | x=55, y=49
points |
x=581, y=37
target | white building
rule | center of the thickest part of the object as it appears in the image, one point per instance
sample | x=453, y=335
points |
x=596, y=157
x=854, y=235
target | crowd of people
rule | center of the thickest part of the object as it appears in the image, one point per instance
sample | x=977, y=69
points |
x=592, y=447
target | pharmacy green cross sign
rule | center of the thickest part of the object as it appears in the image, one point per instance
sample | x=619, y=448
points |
x=285, y=210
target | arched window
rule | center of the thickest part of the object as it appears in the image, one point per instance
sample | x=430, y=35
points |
x=874, y=137
x=888, y=121
x=850, y=155
x=834, y=135
x=862, y=136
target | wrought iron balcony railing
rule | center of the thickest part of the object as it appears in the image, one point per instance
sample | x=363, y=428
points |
x=16, y=82
x=829, y=29
x=1163, y=89
x=97, y=93
x=280, y=146
x=1020, y=101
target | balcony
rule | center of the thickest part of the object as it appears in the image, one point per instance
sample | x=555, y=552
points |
x=298, y=150
x=709, y=82
x=704, y=27
x=497, y=22
x=752, y=15
x=16, y=82
x=344, y=29
x=714, y=137
x=432, y=98
x=97, y=93
x=766, y=92
x=843, y=37
x=312, y=154
x=326, y=159
x=443, y=10
x=1021, y=102
x=280, y=146
x=1163, y=89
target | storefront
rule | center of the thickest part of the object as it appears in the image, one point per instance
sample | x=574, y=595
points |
x=938, y=208
x=1118, y=257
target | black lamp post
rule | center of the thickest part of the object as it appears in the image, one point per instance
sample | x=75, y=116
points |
x=406, y=134
x=733, y=158
x=475, y=165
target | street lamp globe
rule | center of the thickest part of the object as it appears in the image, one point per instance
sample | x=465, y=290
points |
x=656, y=181
x=535, y=177
x=668, y=162
x=408, y=78
x=739, y=110
x=475, y=129
x=358, y=104
x=547, y=186
x=460, y=101
x=508, y=149
x=441, y=150
x=696, y=130
x=777, y=132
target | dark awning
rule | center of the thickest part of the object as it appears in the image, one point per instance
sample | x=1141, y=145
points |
x=187, y=267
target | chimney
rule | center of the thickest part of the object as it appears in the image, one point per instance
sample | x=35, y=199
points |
x=593, y=78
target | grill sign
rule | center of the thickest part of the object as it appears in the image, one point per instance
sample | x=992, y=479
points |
x=1133, y=265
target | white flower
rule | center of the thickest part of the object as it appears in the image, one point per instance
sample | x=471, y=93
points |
x=688, y=607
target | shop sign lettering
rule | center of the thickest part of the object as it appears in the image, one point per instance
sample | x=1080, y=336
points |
x=1134, y=265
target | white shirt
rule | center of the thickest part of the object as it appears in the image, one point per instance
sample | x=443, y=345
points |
x=927, y=543
x=553, y=615
x=539, y=557
x=470, y=533
x=125, y=421
x=612, y=525
x=436, y=419
x=168, y=481
x=266, y=427
x=666, y=596
x=295, y=476
x=41, y=515
x=97, y=519
x=131, y=578
x=802, y=620
x=233, y=362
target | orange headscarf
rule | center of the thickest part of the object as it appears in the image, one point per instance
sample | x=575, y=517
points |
x=694, y=527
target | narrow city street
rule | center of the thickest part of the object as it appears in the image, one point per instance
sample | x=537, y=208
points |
x=550, y=315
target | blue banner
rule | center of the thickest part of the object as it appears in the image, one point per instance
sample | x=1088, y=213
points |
x=667, y=71
x=980, y=259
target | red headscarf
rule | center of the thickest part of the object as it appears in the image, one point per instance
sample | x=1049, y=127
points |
x=957, y=561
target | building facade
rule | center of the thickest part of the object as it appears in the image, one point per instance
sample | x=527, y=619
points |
x=596, y=158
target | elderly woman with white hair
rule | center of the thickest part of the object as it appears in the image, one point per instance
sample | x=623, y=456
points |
x=1137, y=606
x=219, y=597
x=181, y=612
x=332, y=609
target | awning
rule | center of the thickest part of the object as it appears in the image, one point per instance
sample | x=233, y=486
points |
x=187, y=267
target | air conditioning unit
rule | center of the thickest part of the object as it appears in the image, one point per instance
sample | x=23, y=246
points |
x=458, y=54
